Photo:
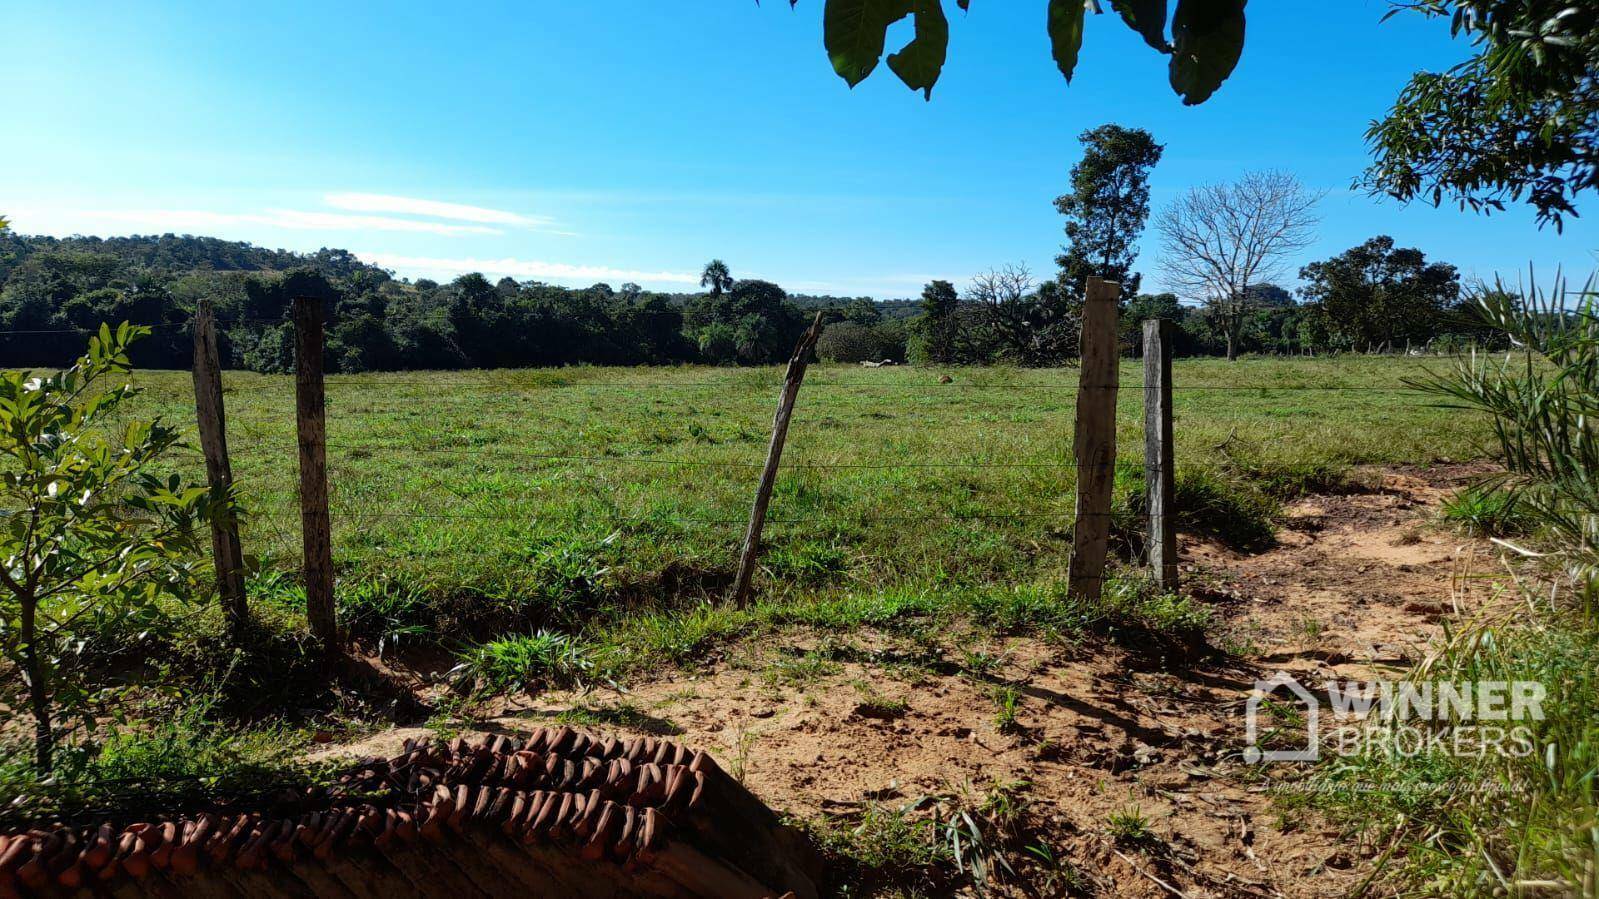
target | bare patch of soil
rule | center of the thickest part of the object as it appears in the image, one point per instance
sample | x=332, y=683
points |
x=1357, y=586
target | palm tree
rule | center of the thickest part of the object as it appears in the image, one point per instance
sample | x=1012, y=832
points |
x=716, y=277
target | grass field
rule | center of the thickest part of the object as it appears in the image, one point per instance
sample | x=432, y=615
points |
x=549, y=494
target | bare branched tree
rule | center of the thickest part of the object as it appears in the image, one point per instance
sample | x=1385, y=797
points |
x=1004, y=297
x=1219, y=239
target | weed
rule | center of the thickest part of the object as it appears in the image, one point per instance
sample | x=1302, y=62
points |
x=1488, y=510
x=528, y=663
x=1007, y=705
x=874, y=704
x=1130, y=827
x=979, y=664
x=799, y=671
x=1467, y=822
x=175, y=758
x=386, y=613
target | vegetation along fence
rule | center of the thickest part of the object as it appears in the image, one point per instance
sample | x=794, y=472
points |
x=535, y=468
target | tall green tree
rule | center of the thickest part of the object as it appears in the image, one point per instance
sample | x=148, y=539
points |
x=1107, y=208
x=1517, y=122
x=1377, y=295
x=90, y=538
x=716, y=277
x=937, y=326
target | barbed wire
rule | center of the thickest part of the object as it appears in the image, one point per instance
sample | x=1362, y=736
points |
x=526, y=390
x=653, y=518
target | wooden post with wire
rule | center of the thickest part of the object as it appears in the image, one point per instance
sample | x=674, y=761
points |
x=1160, y=467
x=311, y=425
x=226, y=550
x=795, y=376
x=1095, y=443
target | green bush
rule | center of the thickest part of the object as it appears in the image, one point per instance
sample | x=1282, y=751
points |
x=851, y=342
x=162, y=763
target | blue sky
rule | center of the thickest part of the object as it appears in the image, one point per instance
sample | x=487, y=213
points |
x=626, y=140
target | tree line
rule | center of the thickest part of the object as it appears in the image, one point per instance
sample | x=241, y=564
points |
x=1374, y=297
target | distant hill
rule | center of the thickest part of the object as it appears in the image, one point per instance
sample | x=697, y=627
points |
x=172, y=253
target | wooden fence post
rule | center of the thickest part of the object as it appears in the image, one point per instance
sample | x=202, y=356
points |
x=1160, y=467
x=1095, y=443
x=226, y=550
x=311, y=424
x=774, y=454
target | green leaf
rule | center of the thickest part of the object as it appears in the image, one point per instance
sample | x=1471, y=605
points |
x=855, y=31
x=1148, y=18
x=919, y=64
x=1208, y=40
x=1066, y=33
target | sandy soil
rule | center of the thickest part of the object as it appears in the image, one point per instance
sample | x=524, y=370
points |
x=1358, y=584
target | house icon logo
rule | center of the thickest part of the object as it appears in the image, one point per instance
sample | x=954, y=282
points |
x=1267, y=689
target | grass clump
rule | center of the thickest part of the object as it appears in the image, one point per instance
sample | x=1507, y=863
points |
x=934, y=845
x=527, y=663
x=1230, y=508
x=1239, y=514
x=1488, y=510
x=1130, y=828
x=874, y=704
x=1135, y=603
x=1294, y=479
x=1007, y=710
x=1479, y=824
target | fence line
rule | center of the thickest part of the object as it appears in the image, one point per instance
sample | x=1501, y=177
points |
x=649, y=518
x=1094, y=402
x=525, y=390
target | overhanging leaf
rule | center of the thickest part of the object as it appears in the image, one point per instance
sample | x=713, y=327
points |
x=1208, y=40
x=1066, y=33
x=1148, y=18
x=854, y=32
x=919, y=64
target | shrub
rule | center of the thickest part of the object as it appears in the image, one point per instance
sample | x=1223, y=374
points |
x=1542, y=403
x=92, y=538
x=851, y=342
x=165, y=762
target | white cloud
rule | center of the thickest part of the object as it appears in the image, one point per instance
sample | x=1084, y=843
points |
x=522, y=268
x=357, y=202
x=288, y=219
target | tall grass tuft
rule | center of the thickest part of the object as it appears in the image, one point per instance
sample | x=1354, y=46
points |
x=1543, y=397
x=1512, y=823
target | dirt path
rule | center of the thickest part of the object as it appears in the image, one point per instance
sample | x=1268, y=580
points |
x=1105, y=736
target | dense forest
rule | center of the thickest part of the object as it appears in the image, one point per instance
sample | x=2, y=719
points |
x=52, y=290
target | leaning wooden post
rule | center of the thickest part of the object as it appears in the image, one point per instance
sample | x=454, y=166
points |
x=311, y=422
x=1095, y=444
x=1159, y=462
x=774, y=454
x=225, y=547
